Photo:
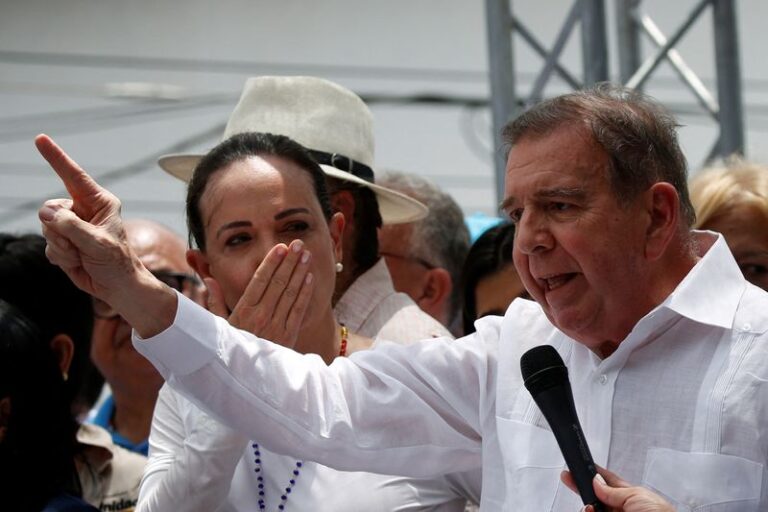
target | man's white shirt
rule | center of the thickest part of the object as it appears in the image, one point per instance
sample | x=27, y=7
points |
x=681, y=406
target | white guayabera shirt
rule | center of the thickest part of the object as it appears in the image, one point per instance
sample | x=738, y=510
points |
x=195, y=463
x=681, y=406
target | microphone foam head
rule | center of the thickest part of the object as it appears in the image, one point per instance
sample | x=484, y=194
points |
x=542, y=367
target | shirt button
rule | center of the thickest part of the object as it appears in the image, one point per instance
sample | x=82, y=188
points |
x=746, y=327
x=603, y=379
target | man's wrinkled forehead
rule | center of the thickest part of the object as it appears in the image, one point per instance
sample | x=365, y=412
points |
x=559, y=162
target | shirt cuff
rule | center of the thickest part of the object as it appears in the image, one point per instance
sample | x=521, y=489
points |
x=187, y=345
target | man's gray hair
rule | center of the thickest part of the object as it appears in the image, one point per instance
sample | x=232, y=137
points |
x=441, y=238
x=638, y=133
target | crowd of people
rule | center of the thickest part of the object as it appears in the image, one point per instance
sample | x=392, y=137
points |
x=330, y=340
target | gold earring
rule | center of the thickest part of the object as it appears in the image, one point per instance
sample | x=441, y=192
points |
x=65, y=376
x=339, y=267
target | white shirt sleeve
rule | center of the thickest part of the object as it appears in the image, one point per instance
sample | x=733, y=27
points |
x=412, y=410
x=191, y=458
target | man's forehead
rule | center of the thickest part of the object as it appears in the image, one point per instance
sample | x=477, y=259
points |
x=560, y=160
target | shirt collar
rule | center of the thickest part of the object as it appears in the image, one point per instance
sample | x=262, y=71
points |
x=363, y=295
x=711, y=291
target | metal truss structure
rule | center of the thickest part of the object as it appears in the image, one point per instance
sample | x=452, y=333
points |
x=631, y=23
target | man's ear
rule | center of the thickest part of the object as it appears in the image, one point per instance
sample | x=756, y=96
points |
x=199, y=262
x=343, y=202
x=436, y=293
x=336, y=229
x=63, y=348
x=663, y=206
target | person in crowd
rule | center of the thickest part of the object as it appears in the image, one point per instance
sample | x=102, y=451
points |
x=489, y=281
x=134, y=383
x=108, y=476
x=37, y=430
x=248, y=199
x=337, y=128
x=425, y=257
x=733, y=200
x=24, y=274
x=666, y=343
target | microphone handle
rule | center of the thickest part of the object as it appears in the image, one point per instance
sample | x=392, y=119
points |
x=557, y=405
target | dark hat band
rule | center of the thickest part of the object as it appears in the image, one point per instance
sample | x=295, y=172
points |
x=343, y=163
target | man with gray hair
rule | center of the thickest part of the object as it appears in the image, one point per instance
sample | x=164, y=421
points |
x=665, y=342
x=425, y=257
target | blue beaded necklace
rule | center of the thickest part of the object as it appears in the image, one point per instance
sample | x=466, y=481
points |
x=297, y=469
x=260, y=480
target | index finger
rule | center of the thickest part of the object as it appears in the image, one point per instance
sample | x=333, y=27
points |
x=78, y=182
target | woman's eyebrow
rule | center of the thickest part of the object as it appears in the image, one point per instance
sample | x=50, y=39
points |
x=290, y=211
x=232, y=225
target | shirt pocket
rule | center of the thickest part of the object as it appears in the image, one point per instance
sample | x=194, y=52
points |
x=533, y=463
x=704, y=482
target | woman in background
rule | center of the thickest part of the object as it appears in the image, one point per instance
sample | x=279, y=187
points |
x=37, y=431
x=734, y=201
x=489, y=281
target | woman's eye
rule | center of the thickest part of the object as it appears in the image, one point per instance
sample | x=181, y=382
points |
x=297, y=227
x=236, y=240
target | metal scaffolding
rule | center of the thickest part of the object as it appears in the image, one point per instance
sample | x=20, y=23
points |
x=631, y=23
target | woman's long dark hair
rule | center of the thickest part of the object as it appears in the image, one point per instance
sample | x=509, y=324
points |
x=38, y=446
x=491, y=252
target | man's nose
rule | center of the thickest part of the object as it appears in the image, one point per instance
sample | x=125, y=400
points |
x=532, y=234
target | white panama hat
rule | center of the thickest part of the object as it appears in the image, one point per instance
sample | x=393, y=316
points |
x=332, y=122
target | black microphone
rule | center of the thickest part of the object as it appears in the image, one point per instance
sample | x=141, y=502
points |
x=546, y=378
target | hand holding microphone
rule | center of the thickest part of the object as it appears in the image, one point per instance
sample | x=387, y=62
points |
x=546, y=378
x=620, y=496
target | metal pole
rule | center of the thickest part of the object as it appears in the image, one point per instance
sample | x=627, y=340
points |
x=641, y=75
x=594, y=41
x=554, y=55
x=536, y=46
x=498, y=15
x=685, y=73
x=728, y=78
x=628, y=38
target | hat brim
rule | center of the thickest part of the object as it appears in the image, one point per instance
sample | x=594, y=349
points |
x=394, y=207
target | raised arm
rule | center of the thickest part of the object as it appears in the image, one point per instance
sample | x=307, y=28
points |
x=86, y=239
x=413, y=410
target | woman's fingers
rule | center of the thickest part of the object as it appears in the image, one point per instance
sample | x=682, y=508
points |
x=254, y=292
x=292, y=290
x=281, y=278
x=275, y=301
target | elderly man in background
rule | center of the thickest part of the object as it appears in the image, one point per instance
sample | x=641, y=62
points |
x=666, y=343
x=425, y=257
x=134, y=383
